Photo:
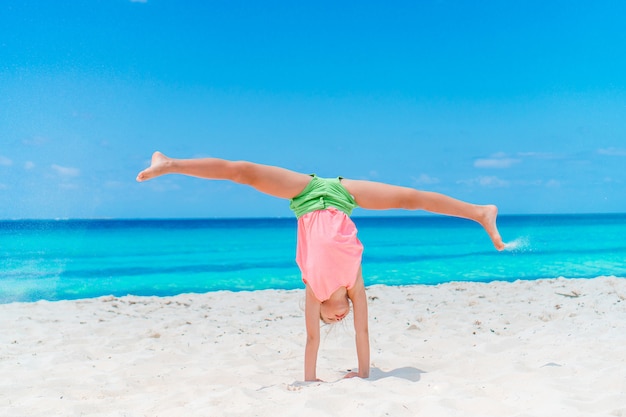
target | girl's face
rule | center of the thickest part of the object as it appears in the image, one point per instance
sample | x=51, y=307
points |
x=333, y=311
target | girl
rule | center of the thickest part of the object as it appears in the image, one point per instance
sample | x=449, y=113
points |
x=328, y=250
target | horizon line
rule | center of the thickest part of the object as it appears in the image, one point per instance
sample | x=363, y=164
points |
x=426, y=215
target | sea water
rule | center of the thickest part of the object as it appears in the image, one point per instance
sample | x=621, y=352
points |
x=69, y=259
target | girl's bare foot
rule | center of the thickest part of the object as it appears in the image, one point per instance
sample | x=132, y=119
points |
x=157, y=167
x=488, y=221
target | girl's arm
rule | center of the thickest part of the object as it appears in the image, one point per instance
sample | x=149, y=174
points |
x=312, y=318
x=359, y=305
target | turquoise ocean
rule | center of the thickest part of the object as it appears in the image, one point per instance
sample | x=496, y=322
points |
x=71, y=259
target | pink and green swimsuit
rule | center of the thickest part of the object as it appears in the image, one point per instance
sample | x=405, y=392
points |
x=328, y=251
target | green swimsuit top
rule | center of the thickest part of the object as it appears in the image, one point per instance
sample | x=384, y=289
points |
x=321, y=193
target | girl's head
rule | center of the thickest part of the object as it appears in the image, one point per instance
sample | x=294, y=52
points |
x=335, y=309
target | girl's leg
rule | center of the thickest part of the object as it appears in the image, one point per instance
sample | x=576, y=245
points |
x=380, y=196
x=275, y=181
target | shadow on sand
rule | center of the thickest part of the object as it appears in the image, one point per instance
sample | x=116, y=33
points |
x=408, y=372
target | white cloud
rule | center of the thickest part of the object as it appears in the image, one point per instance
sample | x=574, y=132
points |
x=114, y=184
x=501, y=160
x=498, y=160
x=540, y=155
x=35, y=141
x=492, y=182
x=486, y=181
x=611, y=180
x=29, y=165
x=163, y=186
x=529, y=183
x=4, y=161
x=612, y=151
x=66, y=171
x=4, y=187
x=553, y=183
x=426, y=179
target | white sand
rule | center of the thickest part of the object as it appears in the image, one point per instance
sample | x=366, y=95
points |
x=534, y=348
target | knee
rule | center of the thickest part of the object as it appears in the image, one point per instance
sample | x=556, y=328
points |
x=410, y=199
x=243, y=172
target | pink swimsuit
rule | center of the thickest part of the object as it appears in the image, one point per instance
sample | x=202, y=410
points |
x=328, y=252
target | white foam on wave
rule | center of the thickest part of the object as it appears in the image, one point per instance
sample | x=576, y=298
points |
x=519, y=244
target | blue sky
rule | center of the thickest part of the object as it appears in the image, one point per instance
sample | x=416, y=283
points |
x=521, y=104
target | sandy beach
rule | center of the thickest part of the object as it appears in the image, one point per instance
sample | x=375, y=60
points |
x=529, y=348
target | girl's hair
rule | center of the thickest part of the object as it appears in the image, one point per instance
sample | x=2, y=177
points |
x=334, y=326
x=332, y=323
